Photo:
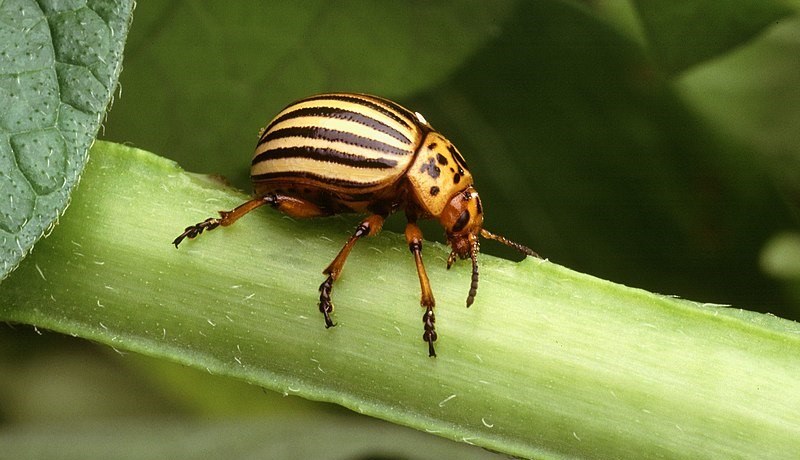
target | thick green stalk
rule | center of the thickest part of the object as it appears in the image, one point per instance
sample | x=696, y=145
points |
x=547, y=362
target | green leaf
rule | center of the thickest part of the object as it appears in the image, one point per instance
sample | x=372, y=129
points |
x=685, y=33
x=546, y=362
x=59, y=64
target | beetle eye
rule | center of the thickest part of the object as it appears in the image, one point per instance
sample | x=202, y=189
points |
x=461, y=222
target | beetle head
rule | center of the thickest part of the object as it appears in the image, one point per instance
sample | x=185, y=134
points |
x=462, y=219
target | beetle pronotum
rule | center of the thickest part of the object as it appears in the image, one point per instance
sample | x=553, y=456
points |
x=355, y=153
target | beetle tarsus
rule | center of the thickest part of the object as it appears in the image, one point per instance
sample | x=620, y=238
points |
x=325, y=304
x=428, y=319
x=193, y=231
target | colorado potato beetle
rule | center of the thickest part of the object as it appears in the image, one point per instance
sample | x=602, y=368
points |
x=356, y=153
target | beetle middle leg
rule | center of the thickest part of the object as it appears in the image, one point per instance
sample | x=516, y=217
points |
x=295, y=207
x=414, y=239
x=368, y=227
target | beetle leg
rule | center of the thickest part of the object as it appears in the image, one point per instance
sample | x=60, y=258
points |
x=294, y=207
x=369, y=226
x=414, y=239
x=225, y=218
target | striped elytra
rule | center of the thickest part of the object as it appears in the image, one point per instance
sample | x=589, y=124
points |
x=346, y=152
x=355, y=144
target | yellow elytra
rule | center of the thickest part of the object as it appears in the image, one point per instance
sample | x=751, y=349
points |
x=356, y=153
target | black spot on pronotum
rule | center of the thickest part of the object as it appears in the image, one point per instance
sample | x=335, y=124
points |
x=434, y=190
x=432, y=146
x=461, y=222
x=441, y=159
x=430, y=168
x=456, y=178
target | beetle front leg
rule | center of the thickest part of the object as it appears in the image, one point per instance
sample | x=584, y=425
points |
x=414, y=239
x=368, y=227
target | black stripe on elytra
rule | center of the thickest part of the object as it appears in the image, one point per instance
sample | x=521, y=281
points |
x=324, y=180
x=325, y=154
x=333, y=135
x=368, y=101
x=341, y=114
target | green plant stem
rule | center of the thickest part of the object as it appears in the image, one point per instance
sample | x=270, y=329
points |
x=547, y=362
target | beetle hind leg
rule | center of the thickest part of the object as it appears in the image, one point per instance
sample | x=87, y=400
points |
x=225, y=218
x=295, y=207
x=368, y=227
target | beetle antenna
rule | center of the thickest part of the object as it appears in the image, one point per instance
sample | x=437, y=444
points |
x=473, y=288
x=523, y=249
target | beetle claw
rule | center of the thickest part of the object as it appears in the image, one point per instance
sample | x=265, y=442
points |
x=193, y=231
x=430, y=336
x=325, y=304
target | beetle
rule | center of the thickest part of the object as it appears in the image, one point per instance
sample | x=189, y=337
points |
x=356, y=153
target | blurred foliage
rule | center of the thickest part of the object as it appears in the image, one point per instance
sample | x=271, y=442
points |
x=650, y=143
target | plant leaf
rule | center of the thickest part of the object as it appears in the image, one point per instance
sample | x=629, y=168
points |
x=59, y=63
x=547, y=362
